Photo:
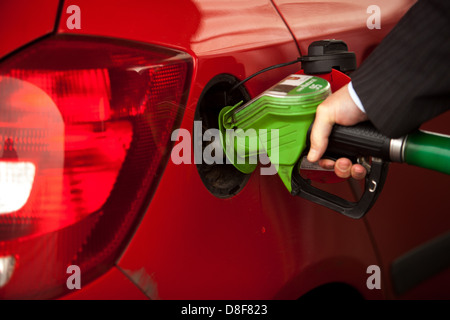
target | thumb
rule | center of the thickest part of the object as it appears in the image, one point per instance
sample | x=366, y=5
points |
x=320, y=132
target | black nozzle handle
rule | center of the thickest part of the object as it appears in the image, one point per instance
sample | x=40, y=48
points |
x=356, y=210
x=359, y=140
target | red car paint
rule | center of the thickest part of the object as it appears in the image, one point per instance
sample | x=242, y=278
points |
x=20, y=23
x=262, y=243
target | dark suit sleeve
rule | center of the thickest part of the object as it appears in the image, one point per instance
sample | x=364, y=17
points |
x=406, y=79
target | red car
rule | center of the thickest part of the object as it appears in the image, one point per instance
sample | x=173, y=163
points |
x=93, y=207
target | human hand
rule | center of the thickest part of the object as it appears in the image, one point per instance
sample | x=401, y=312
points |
x=338, y=108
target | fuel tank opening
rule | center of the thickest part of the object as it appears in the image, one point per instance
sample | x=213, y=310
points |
x=221, y=179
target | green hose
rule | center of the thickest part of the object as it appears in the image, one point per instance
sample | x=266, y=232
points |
x=428, y=150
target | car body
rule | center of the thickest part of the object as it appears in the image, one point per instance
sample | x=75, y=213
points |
x=189, y=239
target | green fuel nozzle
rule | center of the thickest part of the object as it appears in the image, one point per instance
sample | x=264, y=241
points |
x=278, y=122
x=275, y=122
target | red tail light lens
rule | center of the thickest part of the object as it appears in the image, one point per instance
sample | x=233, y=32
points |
x=85, y=129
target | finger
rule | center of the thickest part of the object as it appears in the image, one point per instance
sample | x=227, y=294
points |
x=358, y=172
x=320, y=132
x=343, y=168
x=326, y=163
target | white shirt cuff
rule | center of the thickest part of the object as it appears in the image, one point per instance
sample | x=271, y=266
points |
x=355, y=97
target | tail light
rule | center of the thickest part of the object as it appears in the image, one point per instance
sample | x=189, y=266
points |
x=85, y=128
